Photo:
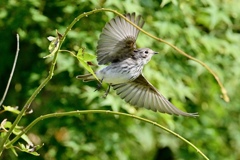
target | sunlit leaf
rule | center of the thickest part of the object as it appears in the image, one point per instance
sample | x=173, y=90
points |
x=25, y=138
x=84, y=63
x=29, y=149
x=53, y=46
x=88, y=57
x=11, y=109
x=165, y=2
x=6, y=124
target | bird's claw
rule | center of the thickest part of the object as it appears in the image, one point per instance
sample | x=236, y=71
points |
x=99, y=85
x=106, y=92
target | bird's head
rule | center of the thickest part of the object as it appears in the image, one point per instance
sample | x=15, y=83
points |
x=145, y=54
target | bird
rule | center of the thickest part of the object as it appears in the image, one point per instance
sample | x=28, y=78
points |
x=117, y=49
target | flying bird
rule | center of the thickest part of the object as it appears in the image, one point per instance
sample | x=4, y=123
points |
x=117, y=49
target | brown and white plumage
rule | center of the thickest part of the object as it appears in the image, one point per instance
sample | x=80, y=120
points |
x=117, y=46
x=142, y=93
x=118, y=39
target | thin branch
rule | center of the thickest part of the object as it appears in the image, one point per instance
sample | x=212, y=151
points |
x=29, y=101
x=72, y=53
x=86, y=14
x=77, y=113
x=223, y=90
x=11, y=75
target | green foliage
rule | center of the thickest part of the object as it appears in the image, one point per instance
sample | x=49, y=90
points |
x=207, y=30
x=84, y=58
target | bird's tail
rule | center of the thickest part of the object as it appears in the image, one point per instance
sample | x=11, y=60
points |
x=86, y=77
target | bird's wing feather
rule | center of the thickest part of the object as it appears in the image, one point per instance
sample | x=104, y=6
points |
x=117, y=40
x=141, y=93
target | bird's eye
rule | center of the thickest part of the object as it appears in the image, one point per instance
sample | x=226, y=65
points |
x=146, y=52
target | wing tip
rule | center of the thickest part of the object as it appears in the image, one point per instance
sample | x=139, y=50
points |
x=185, y=114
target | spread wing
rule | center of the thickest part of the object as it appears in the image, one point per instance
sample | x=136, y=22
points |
x=141, y=93
x=117, y=40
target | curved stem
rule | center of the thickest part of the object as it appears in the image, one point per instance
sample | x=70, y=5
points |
x=223, y=90
x=11, y=74
x=74, y=113
x=29, y=101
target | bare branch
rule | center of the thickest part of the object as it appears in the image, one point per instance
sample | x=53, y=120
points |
x=11, y=75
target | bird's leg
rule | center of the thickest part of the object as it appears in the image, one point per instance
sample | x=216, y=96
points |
x=99, y=85
x=107, y=91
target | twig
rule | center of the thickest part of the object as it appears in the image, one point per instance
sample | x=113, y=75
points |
x=75, y=113
x=11, y=75
x=223, y=90
x=86, y=14
x=32, y=97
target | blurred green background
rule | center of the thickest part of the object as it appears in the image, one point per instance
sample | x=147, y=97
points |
x=206, y=29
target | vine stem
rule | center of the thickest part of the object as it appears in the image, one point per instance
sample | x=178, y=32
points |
x=78, y=113
x=29, y=101
x=51, y=73
x=223, y=90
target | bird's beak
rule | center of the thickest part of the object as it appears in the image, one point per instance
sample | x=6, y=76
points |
x=155, y=52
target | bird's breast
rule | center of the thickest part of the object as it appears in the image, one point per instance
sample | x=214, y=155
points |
x=117, y=73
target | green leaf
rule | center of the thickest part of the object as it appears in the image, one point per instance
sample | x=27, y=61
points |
x=53, y=46
x=6, y=124
x=82, y=60
x=26, y=139
x=14, y=151
x=34, y=153
x=11, y=109
x=22, y=147
x=85, y=56
x=30, y=149
x=165, y=2
x=88, y=56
